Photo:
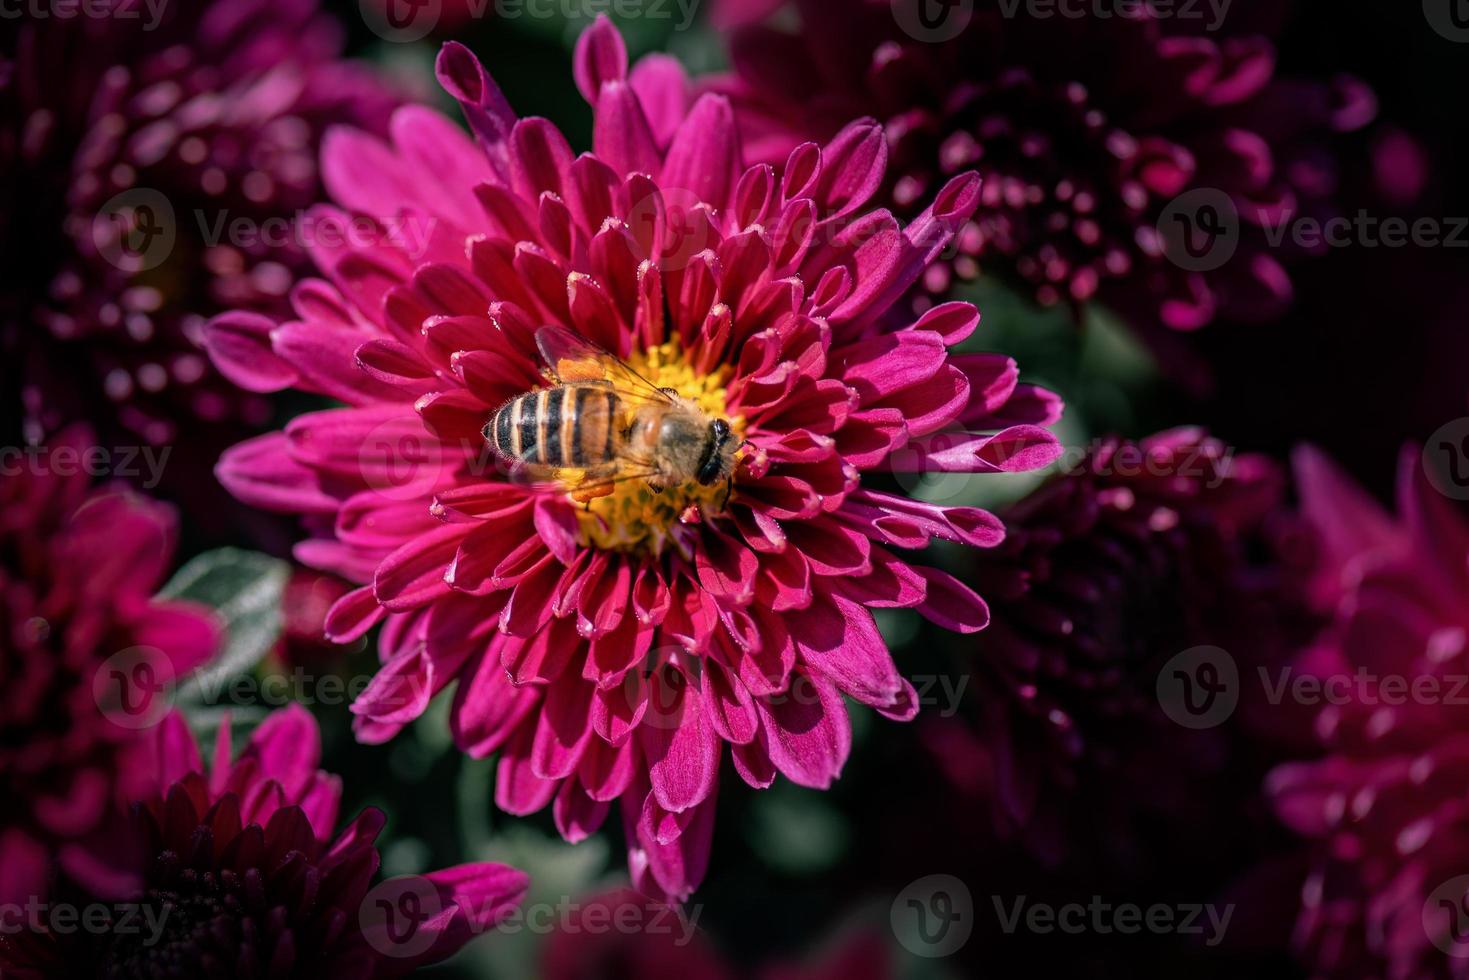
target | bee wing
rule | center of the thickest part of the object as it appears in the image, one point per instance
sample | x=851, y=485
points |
x=573, y=359
x=582, y=483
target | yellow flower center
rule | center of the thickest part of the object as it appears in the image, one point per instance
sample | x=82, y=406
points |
x=634, y=518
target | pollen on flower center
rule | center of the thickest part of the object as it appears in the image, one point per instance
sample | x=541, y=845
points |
x=633, y=517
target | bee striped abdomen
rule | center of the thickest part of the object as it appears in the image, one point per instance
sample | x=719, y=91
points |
x=569, y=425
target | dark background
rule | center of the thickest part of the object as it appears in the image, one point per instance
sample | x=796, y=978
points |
x=1373, y=355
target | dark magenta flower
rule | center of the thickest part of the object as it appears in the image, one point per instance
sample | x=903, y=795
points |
x=613, y=651
x=1384, y=807
x=243, y=869
x=1084, y=129
x=78, y=570
x=135, y=145
x=1138, y=553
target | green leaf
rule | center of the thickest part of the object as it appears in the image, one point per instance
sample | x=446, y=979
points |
x=244, y=588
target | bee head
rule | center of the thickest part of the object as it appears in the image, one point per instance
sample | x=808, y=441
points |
x=714, y=464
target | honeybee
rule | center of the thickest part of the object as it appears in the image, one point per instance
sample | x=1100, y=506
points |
x=602, y=423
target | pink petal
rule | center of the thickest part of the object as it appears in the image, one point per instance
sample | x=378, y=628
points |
x=839, y=638
x=487, y=707
x=577, y=815
x=518, y=790
x=807, y=731
x=563, y=728
x=600, y=57
x=239, y=345
x=681, y=747
x=413, y=575
x=484, y=106
x=705, y=153
x=262, y=473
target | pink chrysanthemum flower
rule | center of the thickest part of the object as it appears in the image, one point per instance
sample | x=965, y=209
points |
x=1117, y=565
x=1385, y=806
x=154, y=157
x=242, y=870
x=613, y=651
x=78, y=569
x=1083, y=128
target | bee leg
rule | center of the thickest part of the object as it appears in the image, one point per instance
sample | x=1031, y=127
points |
x=728, y=490
x=656, y=488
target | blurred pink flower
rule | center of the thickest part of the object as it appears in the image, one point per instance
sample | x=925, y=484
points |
x=78, y=569
x=1384, y=807
x=1084, y=130
x=243, y=867
x=136, y=143
x=612, y=652
x=1122, y=562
